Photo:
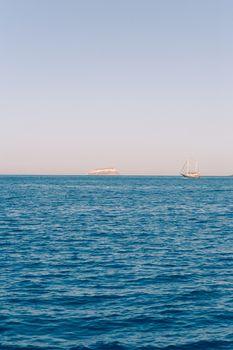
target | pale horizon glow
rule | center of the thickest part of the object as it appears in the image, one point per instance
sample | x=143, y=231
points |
x=136, y=85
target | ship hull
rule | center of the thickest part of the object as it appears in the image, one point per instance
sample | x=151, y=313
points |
x=191, y=176
x=104, y=172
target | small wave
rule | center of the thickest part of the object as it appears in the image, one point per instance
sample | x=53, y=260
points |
x=103, y=346
x=18, y=347
x=200, y=345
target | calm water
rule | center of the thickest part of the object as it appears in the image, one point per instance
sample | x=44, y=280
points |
x=121, y=263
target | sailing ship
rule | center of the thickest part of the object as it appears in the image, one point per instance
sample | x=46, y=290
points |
x=190, y=171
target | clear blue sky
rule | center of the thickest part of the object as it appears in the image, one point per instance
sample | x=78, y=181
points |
x=139, y=85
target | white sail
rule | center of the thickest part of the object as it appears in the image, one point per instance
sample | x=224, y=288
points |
x=190, y=170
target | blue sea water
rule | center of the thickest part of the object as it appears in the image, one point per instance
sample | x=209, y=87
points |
x=116, y=263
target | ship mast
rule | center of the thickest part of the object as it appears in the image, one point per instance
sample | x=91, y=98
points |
x=187, y=167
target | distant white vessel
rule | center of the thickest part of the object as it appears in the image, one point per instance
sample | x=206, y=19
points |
x=104, y=171
x=190, y=171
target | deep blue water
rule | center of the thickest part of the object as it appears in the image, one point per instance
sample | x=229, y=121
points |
x=116, y=263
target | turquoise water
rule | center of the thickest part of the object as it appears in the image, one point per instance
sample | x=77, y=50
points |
x=116, y=263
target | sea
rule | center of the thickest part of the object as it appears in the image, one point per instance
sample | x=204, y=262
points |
x=116, y=263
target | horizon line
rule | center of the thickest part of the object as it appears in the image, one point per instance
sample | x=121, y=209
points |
x=119, y=175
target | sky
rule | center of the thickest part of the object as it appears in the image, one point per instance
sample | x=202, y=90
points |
x=140, y=85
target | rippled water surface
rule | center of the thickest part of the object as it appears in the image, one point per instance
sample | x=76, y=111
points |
x=116, y=263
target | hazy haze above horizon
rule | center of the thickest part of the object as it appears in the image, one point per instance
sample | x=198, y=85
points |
x=137, y=85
